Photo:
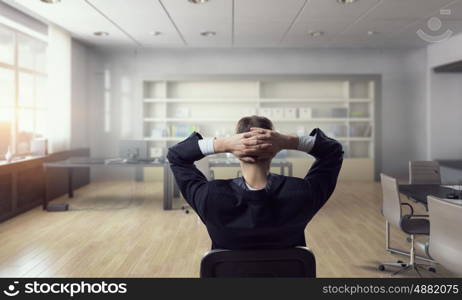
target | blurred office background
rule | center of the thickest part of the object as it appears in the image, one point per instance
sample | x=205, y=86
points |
x=89, y=74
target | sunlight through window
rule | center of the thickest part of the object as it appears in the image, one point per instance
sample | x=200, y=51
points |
x=23, y=91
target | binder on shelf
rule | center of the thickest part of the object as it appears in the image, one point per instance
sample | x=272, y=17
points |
x=159, y=132
x=305, y=113
x=368, y=131
x=290, y=113
x=277, y=113
x=265, y=112
x=183, y=130
x=337, y=130
x=182, y=112
x=339, y=112
x=358, y=114
x=360, y=130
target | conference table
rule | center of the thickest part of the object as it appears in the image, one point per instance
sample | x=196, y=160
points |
x=87, y=162
x=420, y=192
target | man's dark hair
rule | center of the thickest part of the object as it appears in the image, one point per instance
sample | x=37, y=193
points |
x=244, y=124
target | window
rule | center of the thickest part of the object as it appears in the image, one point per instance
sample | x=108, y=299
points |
x=23, y=91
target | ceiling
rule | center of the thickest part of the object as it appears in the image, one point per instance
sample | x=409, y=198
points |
x=253, y=23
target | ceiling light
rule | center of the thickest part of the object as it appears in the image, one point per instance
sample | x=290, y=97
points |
x=198, y=1
x=208, y=33
x=372, y=32
x=346, y=1
x=101, y=33
x=316, y=33
x=155, y=33
x=50, y=1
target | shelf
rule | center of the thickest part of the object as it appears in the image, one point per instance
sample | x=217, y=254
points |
x=353, y=139
x=313, y=120
x=201, y=100
x=353, y=100
x=255, y=100
x=165, y=139
x=360, y=119
x=357, y=139
x=189, y=120
x=175, y=138
x=314, y=100
x=344, y=107
x=303, y=100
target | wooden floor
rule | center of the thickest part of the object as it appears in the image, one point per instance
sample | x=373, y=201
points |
x=118, y=229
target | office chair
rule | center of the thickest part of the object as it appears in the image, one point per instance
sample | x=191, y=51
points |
x=293, y=262
x=424, y=172
x=445, y=244
x=411, y=224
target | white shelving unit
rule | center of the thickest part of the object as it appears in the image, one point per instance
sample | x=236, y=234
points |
x=312, y=120
x=344, y=109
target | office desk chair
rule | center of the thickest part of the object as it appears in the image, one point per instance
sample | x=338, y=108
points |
x=293, y=262
x=411, y=224
x=424, y=172
x=446, y=233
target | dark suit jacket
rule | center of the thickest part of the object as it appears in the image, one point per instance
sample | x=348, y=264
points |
x=275, y=217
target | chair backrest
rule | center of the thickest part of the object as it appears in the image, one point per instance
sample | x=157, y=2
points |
x=424, y=172
x=204, y=167
x=293, y=262
x=391, y=203
x=445, y=245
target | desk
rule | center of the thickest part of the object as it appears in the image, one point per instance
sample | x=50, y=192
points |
x=85, y=162
x=451, y=171
x=420, y=192
x=19, y=160
x=453, y=163
x=21, y=186
x=233, y=162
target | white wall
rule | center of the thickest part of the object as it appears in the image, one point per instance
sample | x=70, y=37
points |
x=445, y=52
x=80, y=55
x=416, y=93
x=101, y=96
x=59, y=89
x=403, y=85
x=445, y=116
x=444, y=101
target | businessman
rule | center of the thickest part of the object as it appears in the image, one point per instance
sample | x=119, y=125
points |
x=260, y=209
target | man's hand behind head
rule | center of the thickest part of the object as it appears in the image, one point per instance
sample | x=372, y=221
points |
x=278, y=141
x=243, y=148
x=256, y=147
x=257, y=144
